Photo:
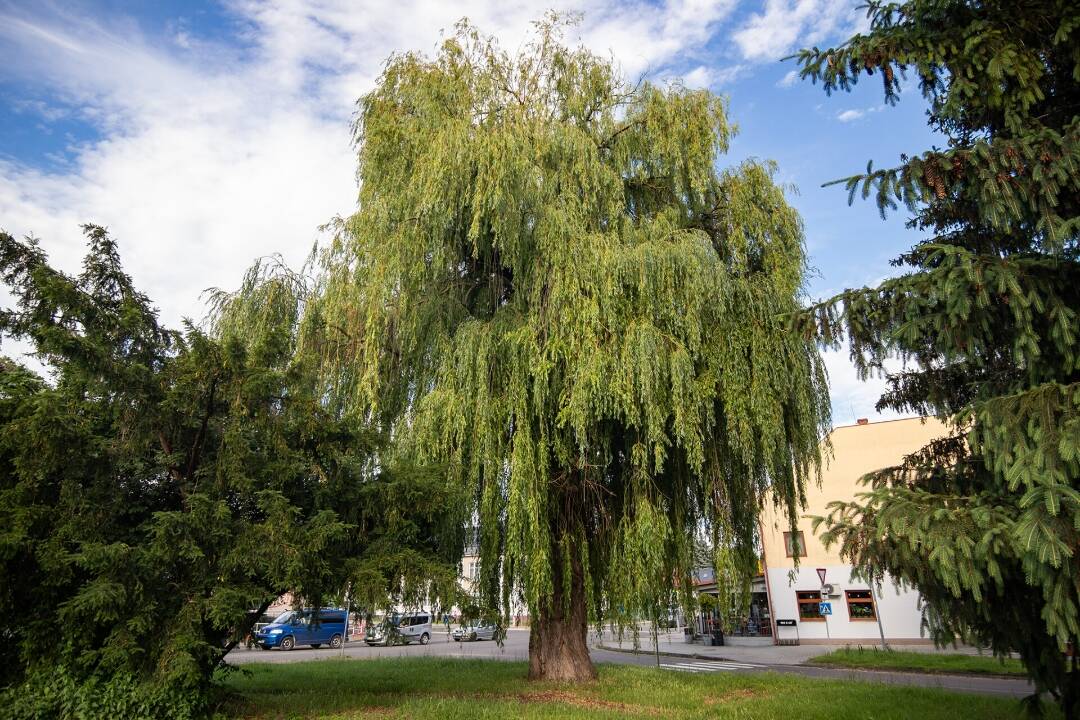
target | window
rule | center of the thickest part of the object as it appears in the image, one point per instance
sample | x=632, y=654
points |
x=860, y=605
x=808, y=605
x=794, y=545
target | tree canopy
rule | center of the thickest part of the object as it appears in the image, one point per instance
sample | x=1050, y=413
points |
x=162, y=487
x=985, y=522
x=551, y=287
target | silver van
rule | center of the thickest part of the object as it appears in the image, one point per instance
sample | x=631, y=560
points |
x=400, y=630
x=415, y=628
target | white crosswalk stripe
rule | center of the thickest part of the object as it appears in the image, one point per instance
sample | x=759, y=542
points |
x=707, y=666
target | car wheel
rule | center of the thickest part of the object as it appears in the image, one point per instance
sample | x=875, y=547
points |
x=424, y=639
x=287, y=643
x=335, y=642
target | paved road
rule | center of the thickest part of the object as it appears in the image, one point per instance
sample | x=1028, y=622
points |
x=516, y=647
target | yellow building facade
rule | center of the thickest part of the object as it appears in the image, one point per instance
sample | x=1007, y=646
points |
x=852, y=608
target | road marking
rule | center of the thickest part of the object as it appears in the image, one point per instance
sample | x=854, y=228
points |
x=721, y=663
x=708, y=666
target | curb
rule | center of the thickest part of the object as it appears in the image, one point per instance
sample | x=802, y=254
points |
x=912, y=671
x=764, y=665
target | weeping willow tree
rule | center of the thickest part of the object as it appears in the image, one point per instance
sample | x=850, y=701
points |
x=549, y=286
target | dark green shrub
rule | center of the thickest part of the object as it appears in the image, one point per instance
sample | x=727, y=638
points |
x=59, y=694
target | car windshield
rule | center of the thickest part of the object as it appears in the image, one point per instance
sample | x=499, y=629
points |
x=284, y=618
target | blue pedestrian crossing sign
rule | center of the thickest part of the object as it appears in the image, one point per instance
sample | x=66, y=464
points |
x=824, y=608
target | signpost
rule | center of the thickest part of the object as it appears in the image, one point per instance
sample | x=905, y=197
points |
x=877, y=614
x=825, y=608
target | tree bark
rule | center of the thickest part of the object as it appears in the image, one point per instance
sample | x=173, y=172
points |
x=558, y=650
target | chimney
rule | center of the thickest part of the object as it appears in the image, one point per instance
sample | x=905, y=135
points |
x=862, y=421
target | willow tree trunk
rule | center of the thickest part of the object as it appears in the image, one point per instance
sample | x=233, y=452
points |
x=557, y=642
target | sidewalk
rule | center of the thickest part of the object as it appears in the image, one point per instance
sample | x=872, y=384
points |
x=793, y=660
x=673, y=643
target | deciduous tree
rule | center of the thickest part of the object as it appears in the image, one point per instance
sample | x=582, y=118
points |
x=550, y=286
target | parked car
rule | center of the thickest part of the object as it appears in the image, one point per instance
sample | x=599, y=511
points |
x=476, y=631
x=262, y=622
x=400, y=629
x=325, y=626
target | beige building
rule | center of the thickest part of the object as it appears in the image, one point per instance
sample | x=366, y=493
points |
x=854, y=607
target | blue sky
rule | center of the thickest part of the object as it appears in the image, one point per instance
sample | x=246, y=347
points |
x=205, y=134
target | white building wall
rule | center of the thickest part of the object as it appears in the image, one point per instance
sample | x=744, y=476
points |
x=899, y=609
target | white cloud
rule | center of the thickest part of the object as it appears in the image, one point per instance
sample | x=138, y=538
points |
x=853, y=398
x=789, y=79
x=785, y=25
x=198, y=171
x=699, y=77
x=643, y=37
x=212, y=155
x=857, y=113
x=704, y=76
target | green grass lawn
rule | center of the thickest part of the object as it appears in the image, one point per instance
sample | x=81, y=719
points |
x=877, y=659
x=449, y=688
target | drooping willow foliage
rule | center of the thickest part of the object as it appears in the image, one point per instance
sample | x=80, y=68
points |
x=550, y=286
x=406, y=517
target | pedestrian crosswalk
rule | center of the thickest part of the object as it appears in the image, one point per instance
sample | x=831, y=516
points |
x=708, y=666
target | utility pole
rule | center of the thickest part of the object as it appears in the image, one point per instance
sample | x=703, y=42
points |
x=348, y=612
x=656, y=634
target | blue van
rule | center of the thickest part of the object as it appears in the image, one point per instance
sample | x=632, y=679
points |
x=325, y=626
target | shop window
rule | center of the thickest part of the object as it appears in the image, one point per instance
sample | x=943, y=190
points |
x=808, y=605
x=860, y=605
x=794, y=545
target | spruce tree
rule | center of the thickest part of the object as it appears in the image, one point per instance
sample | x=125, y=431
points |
x=550, y=286
x=984, y=522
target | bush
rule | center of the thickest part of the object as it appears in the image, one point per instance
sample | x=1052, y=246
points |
x=60, y=694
